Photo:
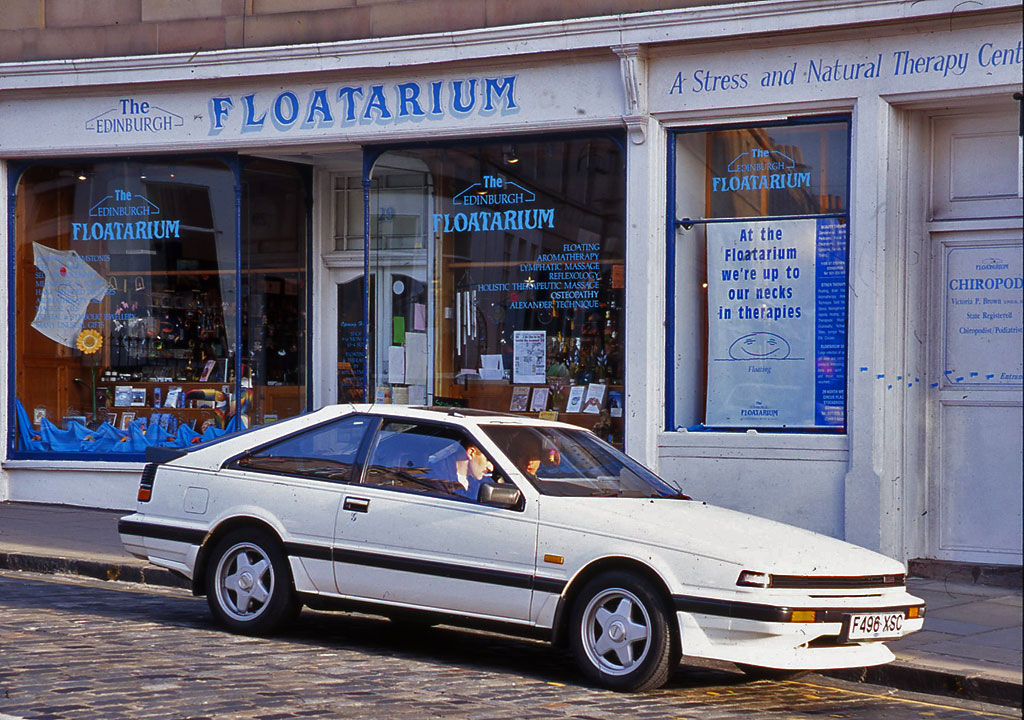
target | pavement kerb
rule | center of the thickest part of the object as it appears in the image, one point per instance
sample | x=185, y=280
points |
x=904, y=676
x=899, y=675
x=141, y=574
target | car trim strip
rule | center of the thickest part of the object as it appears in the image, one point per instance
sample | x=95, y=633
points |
x=312, y=552
x=161, y=532
x=356, y=557
x=448, y=570
x=771, y=613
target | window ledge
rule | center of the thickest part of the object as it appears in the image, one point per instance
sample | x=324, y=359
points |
x=752, y=444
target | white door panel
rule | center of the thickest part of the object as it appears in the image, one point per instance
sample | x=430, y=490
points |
x=981, y=477
x=975, y=350
x=435, y=552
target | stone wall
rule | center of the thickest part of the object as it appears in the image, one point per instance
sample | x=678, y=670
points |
x=59, y=29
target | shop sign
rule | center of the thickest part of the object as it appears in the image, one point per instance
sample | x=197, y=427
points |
x=984, y=56
x=131, y=116
x=984, y=315
x=761, y=170
x=776, y=318
x=493, y=191
x=124, y=204
x=376, y=104
x=324, y=105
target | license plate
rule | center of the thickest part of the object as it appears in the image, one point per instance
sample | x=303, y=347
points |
x=874, y=626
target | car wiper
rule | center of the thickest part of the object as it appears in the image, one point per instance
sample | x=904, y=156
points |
x=676, y=496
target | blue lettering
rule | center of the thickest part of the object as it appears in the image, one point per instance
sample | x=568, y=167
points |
x=506, y=89
x=219, y=107
x=377, y=102
x=318, y=105
x=251, y=121
x=991, y=56
x=435, y=98
x=458, y=104
x=347, y=94
x=279, y=110
x=408, y=96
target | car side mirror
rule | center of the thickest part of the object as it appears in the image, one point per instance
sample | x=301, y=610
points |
x=503, y=496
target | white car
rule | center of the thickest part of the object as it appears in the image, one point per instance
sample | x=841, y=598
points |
x=536, y=527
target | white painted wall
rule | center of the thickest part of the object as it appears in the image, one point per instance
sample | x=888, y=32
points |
x=853, y=486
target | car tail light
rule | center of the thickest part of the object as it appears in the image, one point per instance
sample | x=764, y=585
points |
x=750, y=578
x=146, y=483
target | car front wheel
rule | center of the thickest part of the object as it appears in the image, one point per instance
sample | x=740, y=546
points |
x=621, y=633
x=248, y=583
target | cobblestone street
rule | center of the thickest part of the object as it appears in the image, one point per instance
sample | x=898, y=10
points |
x=82, y=649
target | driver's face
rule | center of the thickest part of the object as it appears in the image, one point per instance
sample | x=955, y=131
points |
x=479, y=465
x=532, y=466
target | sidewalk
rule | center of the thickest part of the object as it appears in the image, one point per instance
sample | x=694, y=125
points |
x=970, y=646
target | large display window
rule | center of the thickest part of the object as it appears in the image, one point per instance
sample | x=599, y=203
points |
x=155, y=302
x=758, y=248
x=498, y=277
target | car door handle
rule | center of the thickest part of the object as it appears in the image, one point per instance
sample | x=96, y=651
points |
x=357, y=504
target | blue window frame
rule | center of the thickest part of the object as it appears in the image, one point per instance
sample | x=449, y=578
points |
x=154, y=302
x=758, y=246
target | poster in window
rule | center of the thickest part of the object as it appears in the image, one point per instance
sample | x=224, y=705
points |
x=776, y=324
x=529, y=356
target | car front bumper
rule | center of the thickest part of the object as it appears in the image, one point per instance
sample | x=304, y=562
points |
x=767, y=636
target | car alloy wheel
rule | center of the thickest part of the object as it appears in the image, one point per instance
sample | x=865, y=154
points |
x=621, y=635
x=248, y=584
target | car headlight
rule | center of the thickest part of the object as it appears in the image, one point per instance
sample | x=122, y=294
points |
x=752, y=578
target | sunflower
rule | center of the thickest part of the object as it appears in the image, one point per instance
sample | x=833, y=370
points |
x=89, y=341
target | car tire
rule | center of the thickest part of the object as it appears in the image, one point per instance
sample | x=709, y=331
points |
x=621, y=633
x=757, y=672
x=248, y=583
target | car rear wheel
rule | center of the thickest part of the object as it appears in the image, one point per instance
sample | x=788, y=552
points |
x=621, y=633
x=248, y=584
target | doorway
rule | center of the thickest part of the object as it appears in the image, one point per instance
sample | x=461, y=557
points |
x=973, y=353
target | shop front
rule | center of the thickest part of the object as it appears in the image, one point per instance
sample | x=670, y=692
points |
x=842, y=210
x=751, y=257
x=186, y=265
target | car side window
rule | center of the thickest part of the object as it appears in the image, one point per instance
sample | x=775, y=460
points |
x=327, y=451
x=422, y=458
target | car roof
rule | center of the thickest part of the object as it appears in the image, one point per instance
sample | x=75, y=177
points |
x=463, y=416
x=212, y=455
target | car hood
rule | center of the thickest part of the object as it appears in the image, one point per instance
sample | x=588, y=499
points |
x=716, y=533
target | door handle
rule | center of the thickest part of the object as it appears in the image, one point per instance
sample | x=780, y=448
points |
x=356, y=504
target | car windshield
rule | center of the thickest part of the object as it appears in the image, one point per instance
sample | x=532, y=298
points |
x=574, y=463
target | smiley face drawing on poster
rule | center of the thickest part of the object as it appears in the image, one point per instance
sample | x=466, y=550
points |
x=760, y=346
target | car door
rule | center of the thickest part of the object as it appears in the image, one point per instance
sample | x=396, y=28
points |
x=409, y=536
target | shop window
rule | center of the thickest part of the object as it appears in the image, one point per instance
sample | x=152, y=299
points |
x=758, y=248
x=132, y=301
x=498, y=274
x=273, y=271
x=348, y=213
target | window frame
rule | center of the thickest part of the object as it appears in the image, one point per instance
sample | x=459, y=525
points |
x=234, y=163
x=355, y=472
x=674, y=224
x=459, y=429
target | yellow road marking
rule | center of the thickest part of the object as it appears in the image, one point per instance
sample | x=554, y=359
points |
x=908, y=701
